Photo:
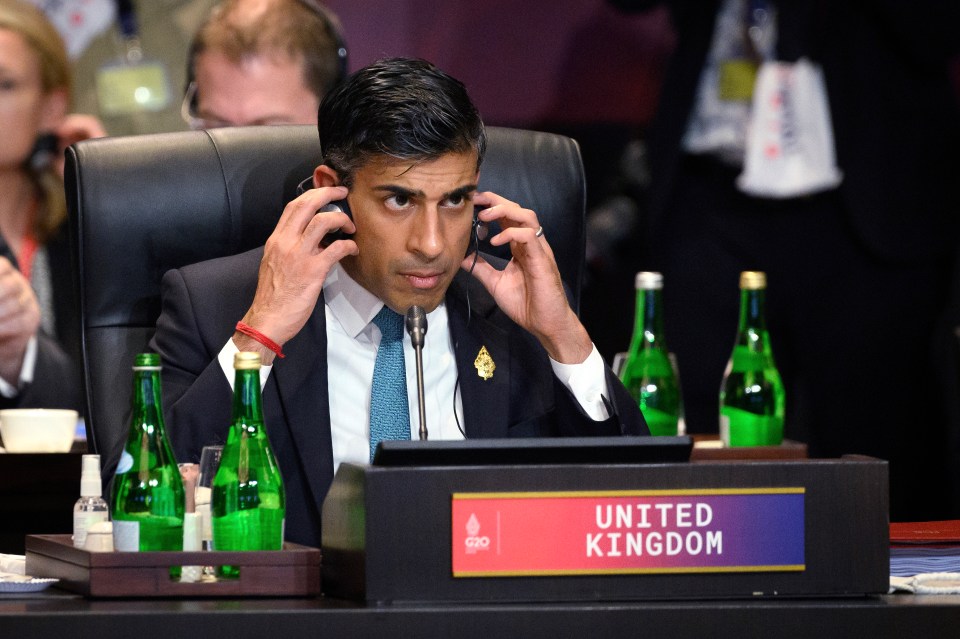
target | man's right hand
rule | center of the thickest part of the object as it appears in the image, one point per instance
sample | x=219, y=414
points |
x=294, y=267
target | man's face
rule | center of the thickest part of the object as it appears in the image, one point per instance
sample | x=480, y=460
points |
x=263, y=89
x=413, y=227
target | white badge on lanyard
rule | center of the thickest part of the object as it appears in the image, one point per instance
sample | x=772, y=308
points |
x=133, y=83
x=790, y=151
x=745, y=34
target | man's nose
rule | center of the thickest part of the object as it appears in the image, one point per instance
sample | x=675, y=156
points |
x=426, y=236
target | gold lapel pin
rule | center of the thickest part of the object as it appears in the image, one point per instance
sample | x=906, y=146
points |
x=484, y=364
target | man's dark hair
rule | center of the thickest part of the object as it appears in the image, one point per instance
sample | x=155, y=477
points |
x=402, y=108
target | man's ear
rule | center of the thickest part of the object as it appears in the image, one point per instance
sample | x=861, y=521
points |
x=323, y=175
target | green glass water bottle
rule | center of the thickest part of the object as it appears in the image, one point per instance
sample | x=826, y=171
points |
x=247, y=501
x=148, y=495
x=648, y=373
x=752, y=397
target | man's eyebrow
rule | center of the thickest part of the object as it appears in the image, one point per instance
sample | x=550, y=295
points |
x=461, y=191
x=399, y=190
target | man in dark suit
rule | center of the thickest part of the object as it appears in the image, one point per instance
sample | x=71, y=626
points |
x=506, y=357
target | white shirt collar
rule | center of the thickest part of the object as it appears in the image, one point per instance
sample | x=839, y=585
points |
x=353, y=306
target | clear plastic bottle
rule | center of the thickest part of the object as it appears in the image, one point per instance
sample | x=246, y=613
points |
x=91, y=507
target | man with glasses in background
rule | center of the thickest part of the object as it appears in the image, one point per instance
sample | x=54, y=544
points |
x=263, y=62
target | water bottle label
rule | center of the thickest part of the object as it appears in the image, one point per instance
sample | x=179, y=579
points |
x=206, y=526
x=81, y=524
x=126, y=536
x=125, y=463
x=725, y=430
x=749, y=429
x=745, y=360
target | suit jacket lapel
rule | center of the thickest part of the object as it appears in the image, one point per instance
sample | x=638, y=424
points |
x=485, y=401
x=301, y=381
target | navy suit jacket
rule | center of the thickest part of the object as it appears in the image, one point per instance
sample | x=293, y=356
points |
x=201, y=305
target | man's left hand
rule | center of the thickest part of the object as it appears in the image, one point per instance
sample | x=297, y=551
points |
x=529, y=290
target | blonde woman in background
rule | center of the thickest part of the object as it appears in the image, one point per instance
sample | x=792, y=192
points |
x=39, y=329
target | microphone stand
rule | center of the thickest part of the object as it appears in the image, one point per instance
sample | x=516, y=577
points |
x=416, y=322
x=420, y=398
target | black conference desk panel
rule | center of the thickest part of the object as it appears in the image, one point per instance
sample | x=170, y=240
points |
x=61, y=616
x=388, y=531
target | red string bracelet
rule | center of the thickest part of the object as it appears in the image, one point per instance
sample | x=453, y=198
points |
x=260, y=337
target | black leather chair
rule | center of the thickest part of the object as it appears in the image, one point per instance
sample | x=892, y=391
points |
x=140, y=206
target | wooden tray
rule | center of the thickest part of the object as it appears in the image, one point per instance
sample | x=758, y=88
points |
x=707, y=448
x=291, y=572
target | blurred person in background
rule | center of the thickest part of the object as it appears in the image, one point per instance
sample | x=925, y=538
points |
x=39, y=326
x=116, y=44
x=263, y=62
x=858, y=268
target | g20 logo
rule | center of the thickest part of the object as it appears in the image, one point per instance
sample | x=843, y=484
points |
x=474, y=541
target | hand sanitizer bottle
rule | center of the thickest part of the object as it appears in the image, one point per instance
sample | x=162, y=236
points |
x=91, y=507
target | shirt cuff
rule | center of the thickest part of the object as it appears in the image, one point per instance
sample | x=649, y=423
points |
x=588, y=383
x=226, y=363
x=26, y=371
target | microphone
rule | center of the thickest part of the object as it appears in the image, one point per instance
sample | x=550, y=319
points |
x=416, y=322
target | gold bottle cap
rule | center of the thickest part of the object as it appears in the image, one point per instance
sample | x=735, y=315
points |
x=753, y=280
x=648, y=281
x=244, y=361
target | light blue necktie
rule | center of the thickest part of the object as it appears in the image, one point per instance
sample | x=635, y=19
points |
x=389, y=413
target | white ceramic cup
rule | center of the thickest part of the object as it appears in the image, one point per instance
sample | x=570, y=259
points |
x=38, y=430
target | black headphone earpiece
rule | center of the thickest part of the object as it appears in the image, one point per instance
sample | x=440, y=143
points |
x=336, y=32
x=480, y=228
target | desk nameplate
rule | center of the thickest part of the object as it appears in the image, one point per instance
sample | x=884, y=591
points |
x=627, y=532
x=390, y=533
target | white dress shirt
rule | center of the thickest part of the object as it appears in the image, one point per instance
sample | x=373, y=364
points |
x=352, y=342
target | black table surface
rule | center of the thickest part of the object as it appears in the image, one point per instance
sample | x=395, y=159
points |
x=54, y=613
